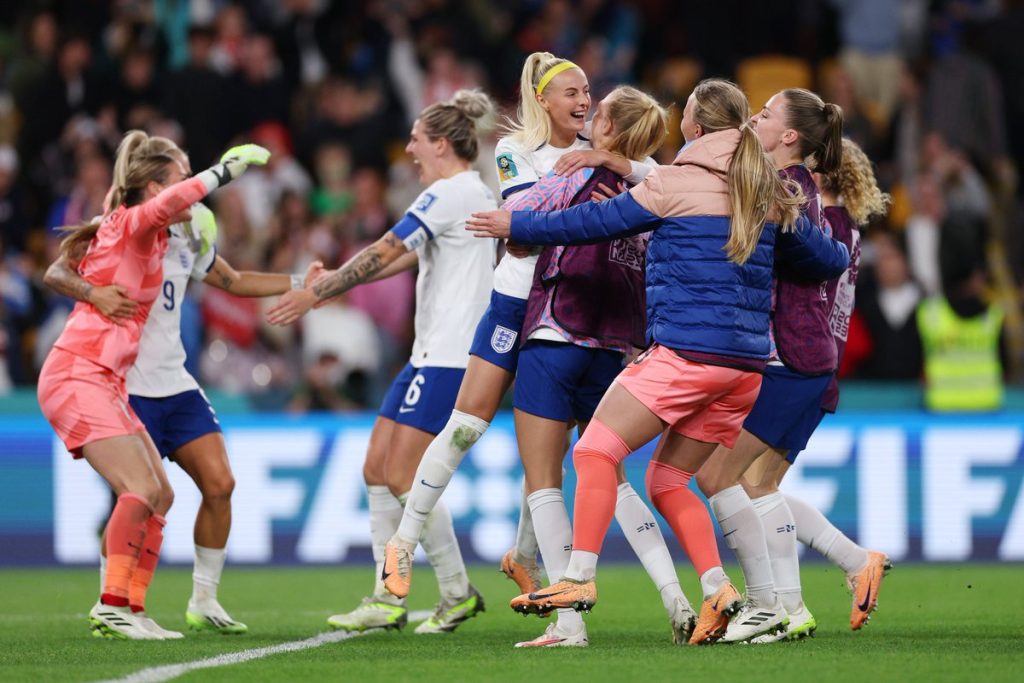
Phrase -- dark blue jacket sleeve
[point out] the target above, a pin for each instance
(809, 254)
(586, 223)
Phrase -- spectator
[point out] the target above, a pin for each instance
(13, 224)
(885, 307)
(193, 92)
(260, 93)
(870, 31)
(261, 190)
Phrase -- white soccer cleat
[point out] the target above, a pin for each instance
(552, 637)
(208, 615)
(448, 615)
(118, 623)
(801, 625)
(156, 629)
(683, 620)
(752, 621)
(374, 612)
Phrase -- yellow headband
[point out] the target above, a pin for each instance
(552, 72)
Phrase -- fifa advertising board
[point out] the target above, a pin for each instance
(916, 486)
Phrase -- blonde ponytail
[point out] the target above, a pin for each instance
(757, 194)
(140, 160)
(532, 125)
(641, 122)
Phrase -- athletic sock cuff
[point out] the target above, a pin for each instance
(766, 504)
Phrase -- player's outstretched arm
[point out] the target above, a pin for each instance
(110, 300)
(359, 269)
(251, 283)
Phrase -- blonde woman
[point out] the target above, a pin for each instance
(166, 397)
(455, 277)
(82, 388)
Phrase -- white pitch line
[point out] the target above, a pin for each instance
(158, 674)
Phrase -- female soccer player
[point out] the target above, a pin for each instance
(455, 276)
(850, 197)
(168, 399)
(82, 388)
(793, 126)
(716, 215)
(547, 136)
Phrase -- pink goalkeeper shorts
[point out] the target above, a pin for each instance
(84, 401)
(704, 402)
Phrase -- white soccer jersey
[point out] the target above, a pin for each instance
(456, 269)
(159, 370)
(518, 169)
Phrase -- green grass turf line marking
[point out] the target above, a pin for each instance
(158, 674)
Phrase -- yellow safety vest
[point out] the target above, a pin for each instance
(961, 358)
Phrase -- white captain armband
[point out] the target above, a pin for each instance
(412, 231)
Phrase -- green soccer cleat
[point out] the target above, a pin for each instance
(372, 613)
(210, 616)
(447, 616)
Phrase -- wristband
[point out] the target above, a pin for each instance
(298, 281)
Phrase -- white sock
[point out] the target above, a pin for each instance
(712, 580)
(103, 573)
(526, 538)
(582, 566)
(554, 536)
(385, 513)
(743, 532)
(206, 571)
(442, 548)
(645, 538)
(813, 529)
(439, 463)
(780, 534)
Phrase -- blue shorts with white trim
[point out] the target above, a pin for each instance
(497, 335)
(423, 397)
(173, 421)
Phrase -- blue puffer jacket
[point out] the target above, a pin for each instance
(697, 299)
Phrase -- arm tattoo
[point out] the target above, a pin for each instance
(64, 280)
(361, 268)
(224, 280)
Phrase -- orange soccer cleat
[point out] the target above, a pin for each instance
(715, 613)
(865, 585)
(397, 572)
(566, 594)
(526, 576)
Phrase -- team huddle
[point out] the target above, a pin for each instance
(733, 269)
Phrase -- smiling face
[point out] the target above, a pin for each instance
(566, 99)
(425, 153)
(770, 124)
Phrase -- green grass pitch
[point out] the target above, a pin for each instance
(936, 623)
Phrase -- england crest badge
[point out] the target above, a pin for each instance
(503, 340)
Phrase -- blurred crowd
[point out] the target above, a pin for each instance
(930, 89)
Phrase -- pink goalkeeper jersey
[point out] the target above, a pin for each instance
(128, 250)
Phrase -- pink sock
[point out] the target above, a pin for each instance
(148, 558)
(668, 489)
(597, 454)
(125, 533)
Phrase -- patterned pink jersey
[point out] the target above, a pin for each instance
(128, 250)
